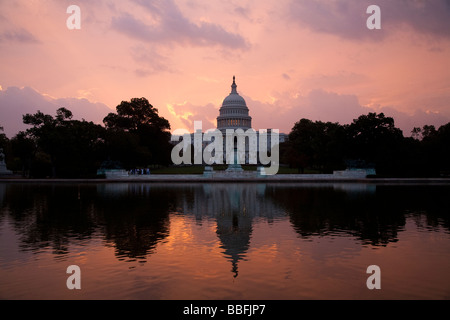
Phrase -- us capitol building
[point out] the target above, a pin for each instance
(234, 114)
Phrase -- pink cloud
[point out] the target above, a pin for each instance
(175, 28)
(18, 35)
(347, 18)
(15, 102)
(320, 105)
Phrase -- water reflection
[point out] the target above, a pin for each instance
(373, 214)
(2, 193)
(135, 217)
(234, 206)
(48, 215)
(56, 215)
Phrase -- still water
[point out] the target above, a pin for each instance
(224, 241)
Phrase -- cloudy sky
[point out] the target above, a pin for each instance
(292, 59)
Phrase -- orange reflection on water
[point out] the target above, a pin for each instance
(261, 253)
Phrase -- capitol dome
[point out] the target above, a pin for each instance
(234, 113)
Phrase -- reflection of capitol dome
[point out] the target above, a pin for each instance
(234, 233)
(234, 112)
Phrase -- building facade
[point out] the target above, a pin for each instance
(234, 114)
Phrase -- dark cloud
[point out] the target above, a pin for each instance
(174, 28)
(339, 78)
(317, 105)
(18, 35)
(347, 18)
(419, 118)
(15, 102)
(320, 105)
(150, 61)
(243, 12)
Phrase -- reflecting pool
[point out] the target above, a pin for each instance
(224, 240)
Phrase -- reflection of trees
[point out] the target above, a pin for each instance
(375, 218)
(134, 219)
(323, 211)
(56, 216)
(49, 215)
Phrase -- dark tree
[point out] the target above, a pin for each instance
(2, 136)
(24, 150)
(5, 146)
(3, 139)
(133, 115)
(138, 123)
(72, 147)
(435, 147)
(374, 138)
(317, 145)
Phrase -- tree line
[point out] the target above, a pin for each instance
(59, 146)
(370, 141)
(136, 136)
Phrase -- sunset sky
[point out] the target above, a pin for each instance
(292, 59)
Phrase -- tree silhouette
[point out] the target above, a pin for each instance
(136, 136)
(72, 146)
(370, 140)
(135, 114)
(3, 139)
(138, 122)
(318, 145)
(375, 139)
